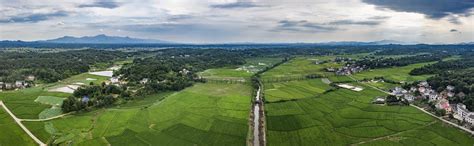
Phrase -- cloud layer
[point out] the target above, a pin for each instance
(219, 21)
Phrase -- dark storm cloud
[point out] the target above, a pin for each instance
(302, 26)
(434, 9)
(32, 18)
(454, 30)
(101, 4)
(352, 22)
(238, 4)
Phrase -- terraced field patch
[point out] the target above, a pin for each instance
(294, 89)
(302, 66)
(205, 114)
(245, 71)
(22, 102)
(345, 117)
(395, 73)
(11, 133)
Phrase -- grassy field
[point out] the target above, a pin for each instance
(11, 133)
(383, 85)
(226, 73)
(301, 66)
(84, 78)
(22, 102)
(294, 89)
(205, 114)
(245, 71)
(345, 117)
(395, 73)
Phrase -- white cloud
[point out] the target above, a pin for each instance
(229, 21)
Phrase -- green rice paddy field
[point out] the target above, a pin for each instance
(22, 102)
(11, 133)
(245, 71)
(204, 114)
(281, 91)
(395, 73)
(301, 66)
(345, 117)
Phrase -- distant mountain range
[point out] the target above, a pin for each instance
(103, 39)
(356, 43)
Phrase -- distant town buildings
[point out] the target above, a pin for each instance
(464, 114)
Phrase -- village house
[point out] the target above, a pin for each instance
(330, 69)
(85, 99)
(444, 104)
(30, 78)
(470, 119)
(413, 89)
(379, 100)
(397, 91)
(450, 88)
(349, 69)
(114, 80)
(423, 84)
(20, 84)
(184, 71)
(433, 96)
(144, 81)
(8, 86)
(464, 114)
(409, 97)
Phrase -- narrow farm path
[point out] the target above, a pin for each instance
(18, 121)
(421, 109)
(446, 121)
(395, 134)
(46, 119)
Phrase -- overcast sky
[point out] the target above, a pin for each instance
(220, 21)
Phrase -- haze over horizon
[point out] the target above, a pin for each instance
(224, 21)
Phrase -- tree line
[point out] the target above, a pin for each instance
(380, 62)
(53, 66)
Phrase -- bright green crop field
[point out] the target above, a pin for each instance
(301, 66)
(345, 117)
(11, 133)
(22, 102)
(294, 89)
(383, 85)
(395, 73)
(84, 78)
(245, 71)
(204, 114)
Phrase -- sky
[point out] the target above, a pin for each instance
(231, 21)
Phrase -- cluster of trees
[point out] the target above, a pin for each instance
(394, 100)
(442, 66)
(175, 69)
(372, 62)
(458, 73)
(94, 96)
(462, 80)
(52, 66)
(285, 59)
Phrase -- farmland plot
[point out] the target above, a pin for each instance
(344, 117)
(205, 114)
(11, 133)
(400, 74)
(294, 89)
(302, 66)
